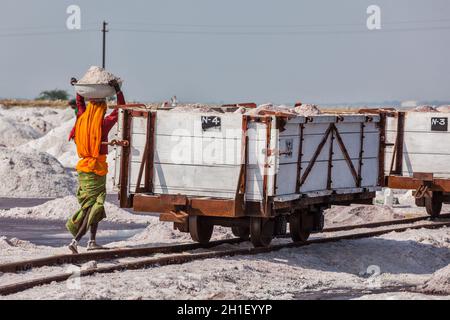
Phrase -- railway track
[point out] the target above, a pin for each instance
(116, 253)
(176, 254)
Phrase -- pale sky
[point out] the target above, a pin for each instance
(317, 51)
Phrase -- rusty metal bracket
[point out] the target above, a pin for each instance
(421, 191)
(180, 217)
(397, 156)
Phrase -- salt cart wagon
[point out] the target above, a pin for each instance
(251, 173)
(418, 156)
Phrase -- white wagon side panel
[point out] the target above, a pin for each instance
(341, 176)
(424, 149)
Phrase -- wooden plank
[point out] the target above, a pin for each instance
(265, 193)
(397, 182)
(299, 159)
(361, 154)
(398, 166)
(195, 206)
(244, 158)
(330, 158)
(214, 207)
(149, 168)
(125, 162)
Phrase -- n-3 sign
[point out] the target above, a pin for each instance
(439, 124)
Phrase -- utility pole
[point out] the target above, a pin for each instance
(104, 31)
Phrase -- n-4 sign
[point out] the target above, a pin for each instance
(211, 122)
(439, 124)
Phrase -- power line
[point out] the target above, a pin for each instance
(48, 33)
(360, 30)
(138, 23)
(41, 27)
(54, 28)
(276, 33)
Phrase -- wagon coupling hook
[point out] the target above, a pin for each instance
(114, 142)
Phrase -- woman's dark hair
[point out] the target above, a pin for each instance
(73, 103)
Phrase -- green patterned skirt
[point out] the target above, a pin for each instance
(91, 194)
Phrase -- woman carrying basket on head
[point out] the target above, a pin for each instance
(90, 134)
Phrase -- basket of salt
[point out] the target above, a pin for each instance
(94, 84)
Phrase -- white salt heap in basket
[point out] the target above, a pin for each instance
(98, 75)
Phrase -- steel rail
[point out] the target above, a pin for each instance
(185, 258)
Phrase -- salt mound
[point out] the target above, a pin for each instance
(439, 283)
(159, 232)
(62, 208)
(307, 110)
(98, 75)
(56, 143)
(6, 243)
(196, 107)
(33, 174)
(358, 214)
(13, 134)
(270, 108)
(425, 109)
(41, 119)
(303, 110)
(444, 109)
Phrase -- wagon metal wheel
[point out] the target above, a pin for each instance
(433, 204)
(200, 229)
(261, 231)
(299, 232)
(242, 232)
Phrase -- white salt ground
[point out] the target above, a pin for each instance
(358, 214)
(62, 208)
(339, 270)
(33, 174)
